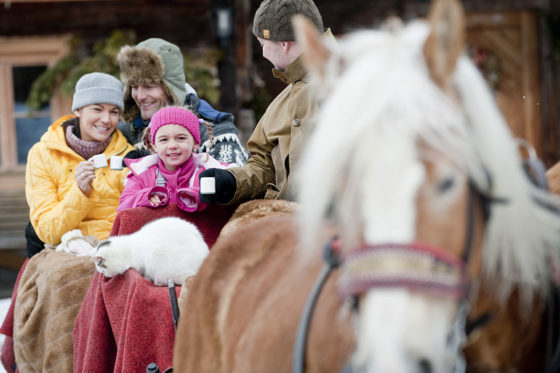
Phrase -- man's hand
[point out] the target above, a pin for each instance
(225, 186)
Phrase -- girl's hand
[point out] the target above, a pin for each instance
(155, 200)
(85, 173)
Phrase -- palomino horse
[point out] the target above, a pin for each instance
(412, 166)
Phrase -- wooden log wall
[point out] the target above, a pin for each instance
(186, 23)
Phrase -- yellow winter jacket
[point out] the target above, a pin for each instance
(56, 203)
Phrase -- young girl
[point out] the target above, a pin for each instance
(171, 175)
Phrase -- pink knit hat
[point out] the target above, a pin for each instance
(175, 115)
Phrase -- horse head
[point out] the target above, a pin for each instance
(414, 165)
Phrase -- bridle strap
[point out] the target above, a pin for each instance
(533, 165)
(469, 239)
(331, 256)
(416, 265)
(332, 260)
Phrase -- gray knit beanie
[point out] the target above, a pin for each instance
(273, 19)
(98, 88)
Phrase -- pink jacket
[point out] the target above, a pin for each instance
(180, 187)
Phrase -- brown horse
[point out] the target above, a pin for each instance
(511, 340)
(412, 166)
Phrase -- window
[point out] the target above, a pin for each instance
(30, 126)
(22, 60)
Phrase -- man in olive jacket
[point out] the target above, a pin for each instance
(276, 142)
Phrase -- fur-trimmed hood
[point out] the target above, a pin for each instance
(151, 61)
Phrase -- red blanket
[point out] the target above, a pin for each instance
(7, 328)
(209, 222)
(125, 322)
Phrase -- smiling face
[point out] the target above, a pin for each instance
(174, 145)
(149, 98)
(97, 121)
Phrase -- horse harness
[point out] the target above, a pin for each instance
(457, 287)
(446, 274)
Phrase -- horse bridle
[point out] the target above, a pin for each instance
(451, 281)
(331, 254)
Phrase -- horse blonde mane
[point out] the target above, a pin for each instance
(378, 85)
(522, 236)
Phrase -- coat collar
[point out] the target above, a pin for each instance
(296, 71)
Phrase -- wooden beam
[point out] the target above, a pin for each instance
(7, 127)
(530, 78)
(50, 1)
(38, 50)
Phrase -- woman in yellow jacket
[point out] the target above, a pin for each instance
(64, 188)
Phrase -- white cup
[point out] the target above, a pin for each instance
(207, 185)
(99, 160)
(116, 162)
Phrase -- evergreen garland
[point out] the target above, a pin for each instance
(62, 77)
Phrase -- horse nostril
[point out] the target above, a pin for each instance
(424, 366)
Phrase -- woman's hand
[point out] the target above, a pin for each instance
(85, 173)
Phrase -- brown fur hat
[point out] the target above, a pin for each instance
(151, 61)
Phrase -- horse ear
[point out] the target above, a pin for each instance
(446, 41)
(315, 55)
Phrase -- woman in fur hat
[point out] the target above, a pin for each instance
(64, 187)
(153, 76)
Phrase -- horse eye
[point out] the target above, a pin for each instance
(445, 185)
